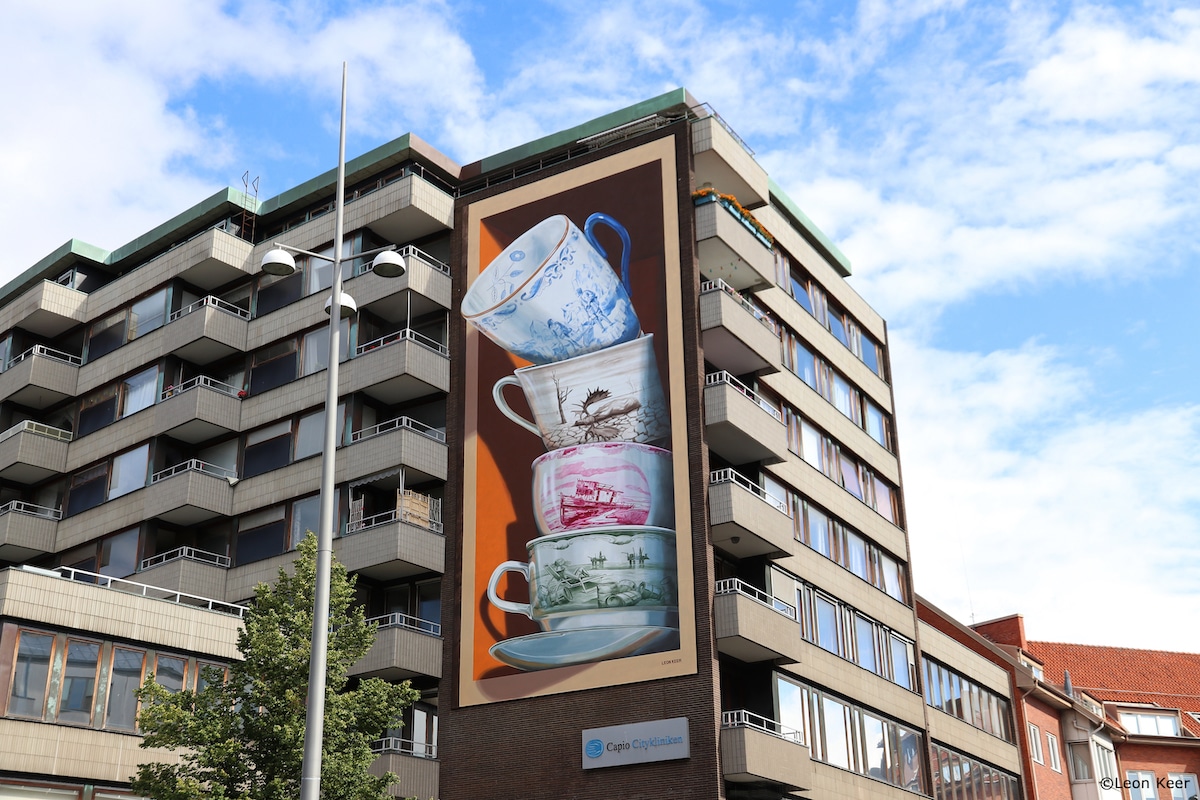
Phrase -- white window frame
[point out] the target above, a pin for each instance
(1035, 744)
(1052, 749)
(1177, 792)
(1141, 784)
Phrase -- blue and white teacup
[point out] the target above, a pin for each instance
(552, 295)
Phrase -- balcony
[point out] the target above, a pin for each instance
(403, 210)
(40, 377)
(423, 288)
(412, 762)
(205, 331)
(723, 160)
(198, 410)
(757, 752)
(187, 570)
(730, 248)
(746, 521)
(31, 452)
(404, 647)
(190, 492)
(421, 449)
(741, 426)
(396, 544)
(399, 366)
(737, 335)
(27, 531)
(214, 258)
(49, 309)
(753, 626)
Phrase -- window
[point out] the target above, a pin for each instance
(1035, 744)
(1149, 724)
(837, 732)
(129, 471)
(97, 410)
(275, 292)
(306, 516)
(902, 661)
(31, 674)
(79, 682)
(1106, 762)
(106, 335)
(139, 391)
(273, 366)
(864, 639)
(148, 314)
(1080, 760)
(1141, 785)
(1052, 751)
(316, 347)
(826, 624)
(267, 449)
(170, 672)
(260, 535)
(119, 554)
(1183, 785)
(87, 489)
(125, 678)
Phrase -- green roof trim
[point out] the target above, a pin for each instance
(63, 256)
(364, 163)
(810, 230)
(225, 199)
(672, 99)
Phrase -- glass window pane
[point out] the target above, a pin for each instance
(870, 355)
(31, 672)
(87, 489)
(850, 478)
(856, 555)
(818, 531)
(890, 570)
(169, 672)
(276, 292)
(789, 705)
(910, 764)
(838, 327)
(800, 292)
(901, 662)
(837, 733)
(306, 515)
(874, 747)
(864, 638)
(803, 363)
(810, 445)
(79, 682)
(129, 471)
(140, 391)
(876, 424)
(107, 335)
(255, 544)
(119, 554)
(148, 314)
(429, 601)
(827, 633)
(843, 396)
(97, 410)
(125, 679)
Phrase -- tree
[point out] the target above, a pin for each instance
(243, 738)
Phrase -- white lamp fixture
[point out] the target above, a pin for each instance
(278, 262)
(388, 264)
(349, 307)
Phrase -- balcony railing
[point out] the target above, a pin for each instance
(423, 513)
(706, 110)
(21, 507)
(748, 719)
(408, 334)
(211, 301)
(196, 465)
(717, 378)
(408, 251)
(398, 620)
(399, 422)
(146, 590)
(49, 431)
(186, 554)
(737, 586)
(728, 475)
(200, 380)
(759, 314)
(46, 352)
(406, 747)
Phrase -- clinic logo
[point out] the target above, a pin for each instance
(594, 748)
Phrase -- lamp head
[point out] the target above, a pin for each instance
(388, 264)
(278, 262)
(349, 307)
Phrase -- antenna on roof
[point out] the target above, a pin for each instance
(249, 217)
(1067, 687)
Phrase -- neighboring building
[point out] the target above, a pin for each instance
(722, 609)
(1128, 716)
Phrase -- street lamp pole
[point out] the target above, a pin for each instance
(279, 261)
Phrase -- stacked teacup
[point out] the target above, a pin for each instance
(602, 570)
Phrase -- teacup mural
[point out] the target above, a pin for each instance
(552, 295)
(598, 594)
(613, 394)
(602, 574)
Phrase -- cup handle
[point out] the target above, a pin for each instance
(620, 229)
(502, 404)
(508, 605)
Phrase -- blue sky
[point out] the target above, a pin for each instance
(1014, 184)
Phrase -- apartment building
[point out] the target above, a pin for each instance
(617, 470)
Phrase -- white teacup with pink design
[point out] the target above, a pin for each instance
(601, 484)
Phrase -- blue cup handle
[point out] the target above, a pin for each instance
(620, 229)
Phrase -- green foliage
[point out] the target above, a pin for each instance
(243, 738)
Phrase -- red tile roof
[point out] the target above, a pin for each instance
(1126, 675)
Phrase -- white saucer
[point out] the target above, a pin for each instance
(583, 645)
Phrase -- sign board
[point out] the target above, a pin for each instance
(639, 743)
